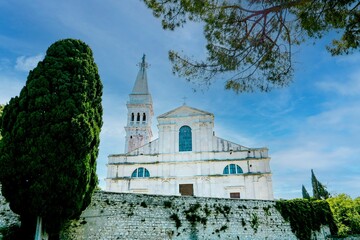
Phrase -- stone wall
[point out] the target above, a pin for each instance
(153, 217)
(7, 217)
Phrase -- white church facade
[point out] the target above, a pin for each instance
(186, 158)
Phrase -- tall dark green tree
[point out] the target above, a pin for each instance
(51, 136)
(1, 110)
(305, 193)
(250, 43)
(319, 190)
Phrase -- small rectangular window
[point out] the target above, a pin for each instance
(186, 190)
(235, 195)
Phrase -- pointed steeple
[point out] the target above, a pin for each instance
(141, 84)
(140, 112)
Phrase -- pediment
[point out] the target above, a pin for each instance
(185, 111)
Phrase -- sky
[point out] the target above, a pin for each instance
(312, 124)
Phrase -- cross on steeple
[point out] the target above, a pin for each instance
(184, 100)
(141, 85)
(143, 64)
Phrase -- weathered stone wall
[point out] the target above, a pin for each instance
(7, 217)
(153, 217)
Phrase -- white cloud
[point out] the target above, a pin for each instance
(326, 141)
(225, 132)
(352, 58)
(13, 86)
(26, 64)
(314, 156)
(347, 86)
(4, 64)
(343, 117)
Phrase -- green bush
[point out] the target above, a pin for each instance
(346, 214)
(306, 216)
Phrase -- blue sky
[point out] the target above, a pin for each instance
(312, 124)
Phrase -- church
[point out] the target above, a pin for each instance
(187, 158)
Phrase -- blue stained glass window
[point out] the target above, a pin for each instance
(232, 169)
(185, 139)
(238, 169)
(134, 174)
(140, 172)
(147, 174)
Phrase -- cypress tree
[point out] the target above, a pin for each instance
(1, 110)
(305, 193)
(315, 187)
(51, 137)
(319, 190)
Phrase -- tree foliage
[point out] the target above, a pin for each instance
(251, 41)
(346, 214)
(51, 137)
(357, 204)
(305, 193)
(1, 110)
(319, 190)
(306, 216)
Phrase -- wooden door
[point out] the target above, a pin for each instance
(235, 195)
(186, 189)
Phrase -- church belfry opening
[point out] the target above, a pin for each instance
(138, 117)
(185, 139)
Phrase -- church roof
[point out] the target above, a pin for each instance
(184, 111)
(141, 84)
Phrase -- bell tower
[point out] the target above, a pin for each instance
(140, 112)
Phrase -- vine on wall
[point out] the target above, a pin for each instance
(306, 216)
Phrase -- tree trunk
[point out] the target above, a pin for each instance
(27, 229)
(38, 232)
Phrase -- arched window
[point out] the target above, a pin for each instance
(132, 117)
(138, 117)
(232, 169)
(140, 172)
(185, 139)
(144, 117)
